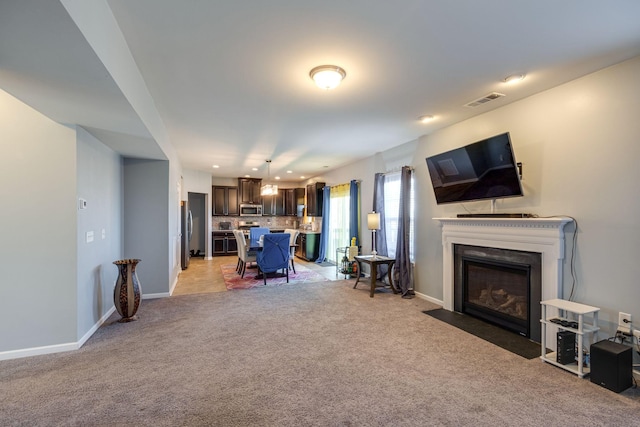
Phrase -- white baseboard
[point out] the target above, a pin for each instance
(175, 283)
(428, 298)
(158, 295)
(95, 327)
(37, 351)
(56, 348)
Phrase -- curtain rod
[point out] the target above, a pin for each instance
(396, 170)
(344, 183)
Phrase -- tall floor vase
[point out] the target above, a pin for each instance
(127, 292)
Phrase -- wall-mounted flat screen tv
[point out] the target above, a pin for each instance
(483, 170)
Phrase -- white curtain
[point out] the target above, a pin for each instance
(339, 220)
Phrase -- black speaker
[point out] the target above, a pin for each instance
(566, 353)
(611, 365)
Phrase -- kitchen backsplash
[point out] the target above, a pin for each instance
(309, 223)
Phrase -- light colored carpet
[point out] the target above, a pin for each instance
(234, 281)
(322, 354)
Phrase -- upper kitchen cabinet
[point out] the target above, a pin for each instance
(292, 198)
(225, 200)
(249, 190)
(314, 199)
(284, 204)
(274, 205)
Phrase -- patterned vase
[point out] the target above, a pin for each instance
(127, 292)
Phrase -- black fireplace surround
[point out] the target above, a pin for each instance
(500, 286)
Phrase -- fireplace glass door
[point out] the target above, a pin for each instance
(497, 293)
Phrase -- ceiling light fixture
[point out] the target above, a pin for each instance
(216, 166)
(426, 119)
(327, 76)
(268, 189)
(514, 78)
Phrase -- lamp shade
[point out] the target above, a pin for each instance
(373, 221)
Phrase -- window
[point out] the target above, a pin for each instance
(392, 212)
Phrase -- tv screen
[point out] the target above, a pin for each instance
(483, 170)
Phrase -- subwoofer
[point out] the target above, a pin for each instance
(611, 365)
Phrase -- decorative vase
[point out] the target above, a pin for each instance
(127, 292)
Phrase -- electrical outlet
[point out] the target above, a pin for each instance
(624, 322)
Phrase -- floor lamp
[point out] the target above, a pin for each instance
(373, 224)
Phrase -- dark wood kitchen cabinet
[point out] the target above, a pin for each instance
(274, 205)
(224, 243)
(249, 190)
(314, 199)
(225, 201)
(292, 198)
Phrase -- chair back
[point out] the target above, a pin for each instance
(242, 244)
(294, 236)
(255, 233)
(275, 252)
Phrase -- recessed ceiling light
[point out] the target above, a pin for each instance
(302, 177)
(254, 169)
(277, 177)
(327, 76)
(514, 78)
(426, 119)
(216, 166)
(247, 176)
(289, 171)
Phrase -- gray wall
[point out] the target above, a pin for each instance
(579, 144)
(38, 229)
(99, 182)
(146, 222)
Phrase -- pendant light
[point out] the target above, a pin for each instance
(269, 189)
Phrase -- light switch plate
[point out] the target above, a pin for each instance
(89, 236)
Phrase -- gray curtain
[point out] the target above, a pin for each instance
(381, 236)
(403, 273)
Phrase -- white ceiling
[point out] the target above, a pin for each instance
(230, 78)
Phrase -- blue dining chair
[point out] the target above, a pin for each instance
(274, 255)
(254, 235)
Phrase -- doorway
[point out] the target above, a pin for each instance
(198, 206)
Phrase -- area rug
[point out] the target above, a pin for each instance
(495, 335)
(233, 280)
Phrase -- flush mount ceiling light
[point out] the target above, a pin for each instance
(426, 119)
(327, 76)
(268, 189)
(514, 78)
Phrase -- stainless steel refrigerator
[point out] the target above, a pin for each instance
(186, 231)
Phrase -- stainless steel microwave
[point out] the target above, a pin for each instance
(250, 210)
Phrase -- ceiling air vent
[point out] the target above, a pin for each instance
(484, 99)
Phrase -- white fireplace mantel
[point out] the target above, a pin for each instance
(541, 235)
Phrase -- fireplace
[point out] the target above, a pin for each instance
(500, 286)
(542, 236)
